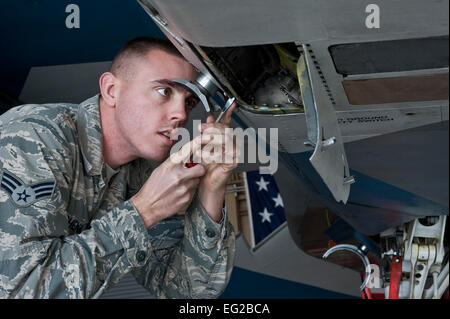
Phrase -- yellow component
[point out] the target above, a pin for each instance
(287, 60)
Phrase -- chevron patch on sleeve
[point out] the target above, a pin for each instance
(25, 195)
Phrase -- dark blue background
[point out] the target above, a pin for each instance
(34, 33)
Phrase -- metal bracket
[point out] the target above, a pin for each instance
(360, 252)
(329, 158)
(423, 254)
(204, 88)
(196, 90)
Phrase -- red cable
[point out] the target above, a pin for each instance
(396, 276)
(366, 293)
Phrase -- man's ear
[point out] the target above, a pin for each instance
(108, 87)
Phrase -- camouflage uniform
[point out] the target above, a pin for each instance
(67, 230)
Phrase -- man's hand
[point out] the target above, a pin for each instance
(220, 158)
(170, 187)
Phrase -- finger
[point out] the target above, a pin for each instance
(184, 154)
(229, 168)
(210, 119)
(208, 157)
(224, 139)
(208, 126)
(232, 155)
(216, 128)
(215, 137)
(193, 172)
(213, 131)
(239, 150)
(226, 119)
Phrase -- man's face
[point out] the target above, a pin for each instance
(149, 106)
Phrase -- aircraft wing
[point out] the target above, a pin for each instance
(359, 93)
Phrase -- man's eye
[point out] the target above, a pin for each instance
(191, 103)
(164, 91)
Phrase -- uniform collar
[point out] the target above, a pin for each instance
(90, 135)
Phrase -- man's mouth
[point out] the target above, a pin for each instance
(168, 137)
(167, 134)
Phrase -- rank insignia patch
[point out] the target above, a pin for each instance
(22, 194)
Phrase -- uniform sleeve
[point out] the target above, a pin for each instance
(39, 258)
(191, 258)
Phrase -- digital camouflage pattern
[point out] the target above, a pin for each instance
(67, 229)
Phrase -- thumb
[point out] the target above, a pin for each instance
(184, 154)
(210, 119)
(227, 117)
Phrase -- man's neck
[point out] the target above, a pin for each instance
(115, 147)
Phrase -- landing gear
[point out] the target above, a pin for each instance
(414, 262)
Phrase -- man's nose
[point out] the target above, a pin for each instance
(178, 110)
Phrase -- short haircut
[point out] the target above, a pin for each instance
(139, 48)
